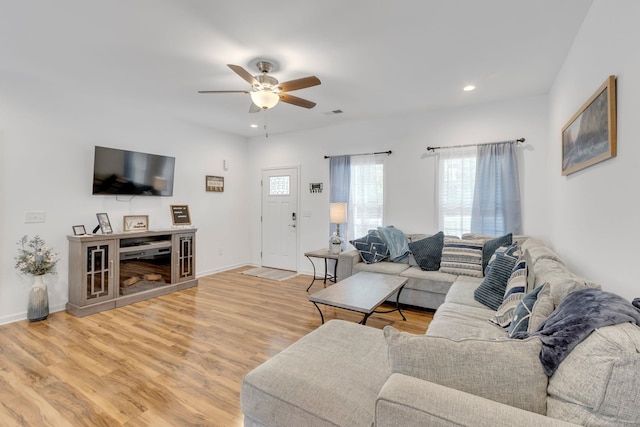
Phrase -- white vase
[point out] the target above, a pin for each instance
(38, 308)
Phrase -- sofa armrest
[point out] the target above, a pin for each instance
(346, 261)
(408, 401)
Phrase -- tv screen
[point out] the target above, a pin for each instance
(123, 172)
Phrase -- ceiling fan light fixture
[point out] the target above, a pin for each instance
(265, 99)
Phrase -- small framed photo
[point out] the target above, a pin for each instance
(135, 223)
(104, 224)
(180, 215)
(78, 230)
(215, 183)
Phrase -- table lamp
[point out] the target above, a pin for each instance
(337, 215)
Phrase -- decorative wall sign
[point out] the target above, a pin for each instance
(135, 223)
(215, 183)
(180, 215)
(591, 136)
(315, 187)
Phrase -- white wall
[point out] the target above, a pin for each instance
(594, 212)
(409, 171)
(46, 164)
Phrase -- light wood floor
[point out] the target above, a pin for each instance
(175, 360)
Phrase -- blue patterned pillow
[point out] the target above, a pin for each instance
(490, 247)
(532, 310)
(513, 294)
(372, 247)
(428, 252)
(491, 290)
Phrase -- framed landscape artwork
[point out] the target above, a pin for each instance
(590, 136)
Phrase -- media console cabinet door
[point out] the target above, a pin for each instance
(185, 257)
(92, 272)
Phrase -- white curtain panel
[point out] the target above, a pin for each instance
(366, 199)
(456, 169)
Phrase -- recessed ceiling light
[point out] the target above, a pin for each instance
(253, 125)
(469, 88)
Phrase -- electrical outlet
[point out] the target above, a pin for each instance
(220, 251)
(35, 217)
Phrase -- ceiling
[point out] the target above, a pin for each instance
(375, 58)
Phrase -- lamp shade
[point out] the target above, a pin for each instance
(265, 99)
(337, 213)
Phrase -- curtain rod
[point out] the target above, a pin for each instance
(364, 154)
(519, 141)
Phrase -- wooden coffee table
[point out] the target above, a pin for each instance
(362, 292)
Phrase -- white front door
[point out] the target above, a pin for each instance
(280, 218)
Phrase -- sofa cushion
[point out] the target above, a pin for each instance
(491, 290)
(490, 247)
(384, 267)
(331, 376)
(531, 311)
(455, 363)
(428, 252)
(461, 292)
(462, 257)
(560, 279)
(459, 321)
(433, 281)
(609, 394)
(372, 248)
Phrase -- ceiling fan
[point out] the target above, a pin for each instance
(266, 91)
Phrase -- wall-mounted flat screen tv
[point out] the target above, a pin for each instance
(123, 172)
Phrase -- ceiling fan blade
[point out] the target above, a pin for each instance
(254, 108)
(223, 91)
(244, 74)
(290, 99)
(299, 84)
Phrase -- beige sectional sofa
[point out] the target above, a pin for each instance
(426, 289)
(465, 371)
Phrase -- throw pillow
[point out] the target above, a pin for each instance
(491, 290)
(428, 252)
(534, 307)
(371, 247)
(462, 257)
(516, 289)
(490, 247)
(396, 242)
(531, 277)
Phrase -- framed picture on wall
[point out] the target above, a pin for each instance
(591, 135)
(214, 183)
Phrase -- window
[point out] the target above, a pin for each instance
(358, 181)
(478, 190)
(279, 185)
(456, 182)
(366, 195)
